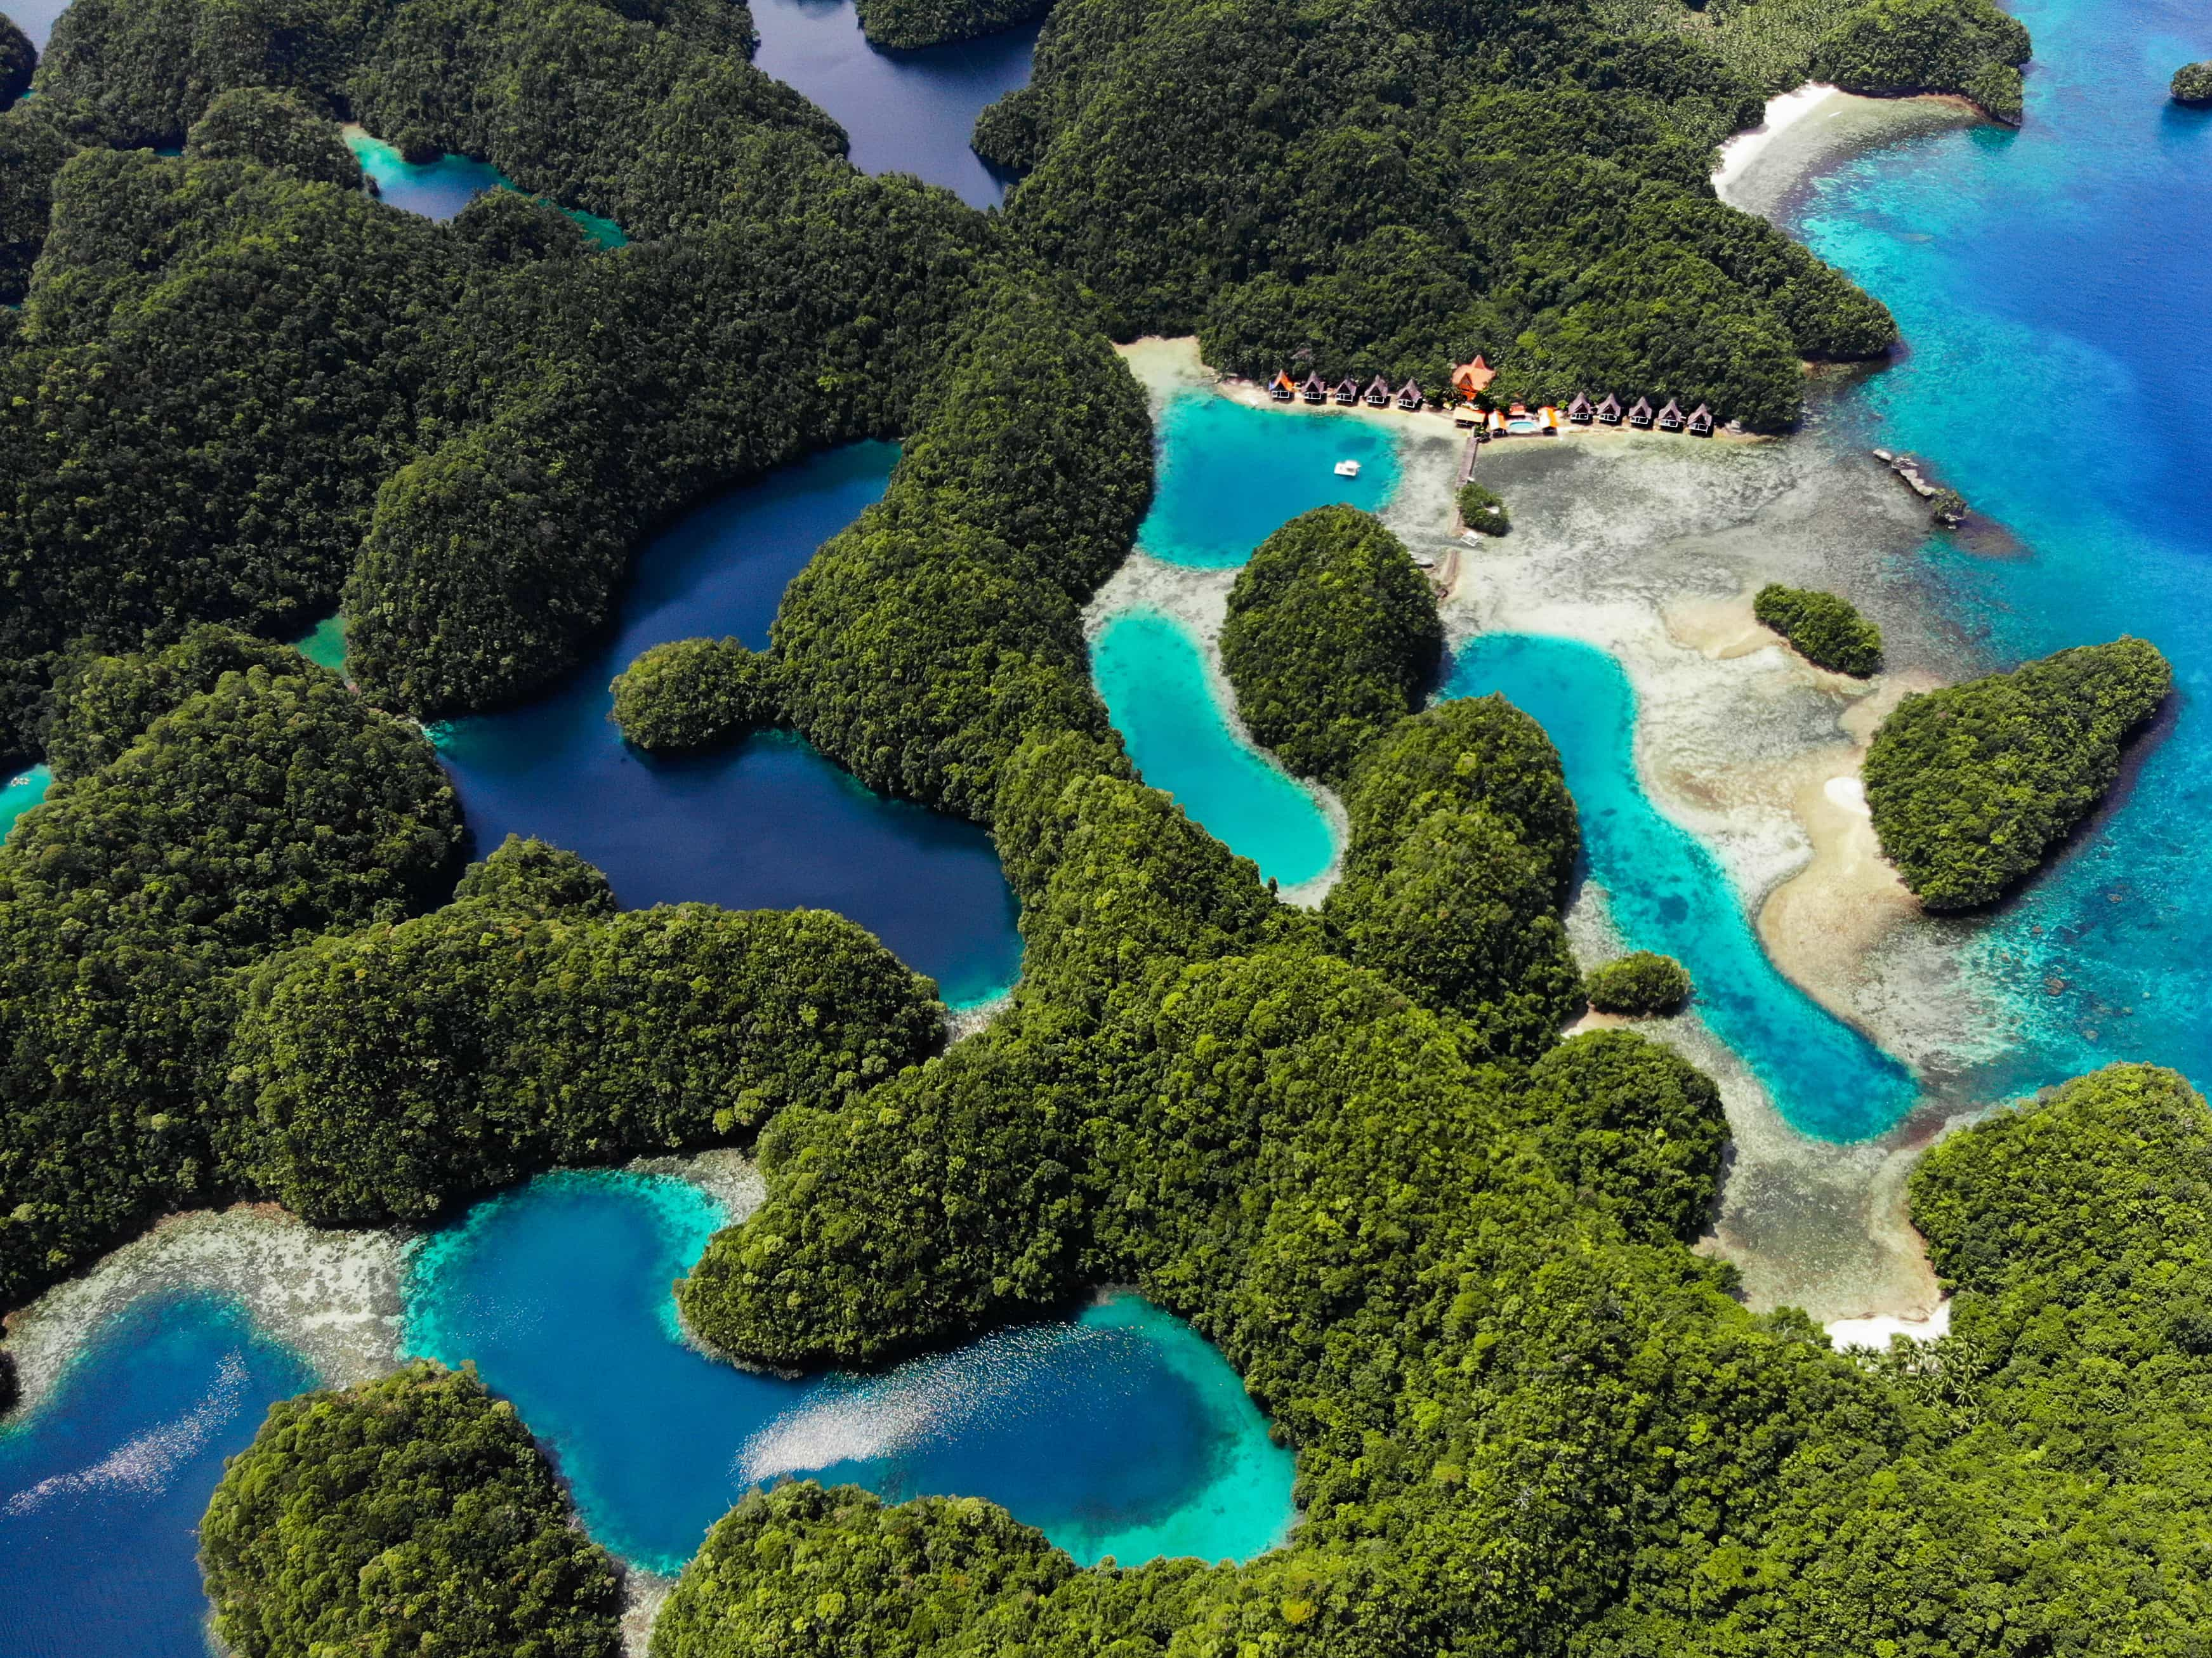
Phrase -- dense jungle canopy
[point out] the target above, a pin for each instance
(1446, 1248)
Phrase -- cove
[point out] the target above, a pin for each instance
(103, 1485)
(1152, 675)
(2069, 262)
(904, 111)
(1230, 475)
(1666, 891)
(770, 824)
(440, 189)
(1117, 1432)
(22, 791)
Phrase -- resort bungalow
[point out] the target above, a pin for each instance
(1498, 426)
(1639, 415)
(1549, 418)
(1377, 395)
(1471, 379)
(1284, 388)
(1409, 396)
(1608, 412)
(1467, 413)
(1580, 410)
(1347, 391)
(1671, 418)
(1316, 390)
(1701, 422)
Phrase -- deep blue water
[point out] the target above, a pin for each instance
(905, 112)
(2054, 288)
(770, 824)
(1666, 891)
(101, 1489)
(1152, 676)
(1119, 1432)
(1231, 475)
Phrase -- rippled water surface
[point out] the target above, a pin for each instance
(1119, 1432)
(101, 1486)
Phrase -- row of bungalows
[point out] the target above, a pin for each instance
(1346, 392)
(1699, 422)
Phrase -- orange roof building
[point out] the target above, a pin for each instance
(1471, 379)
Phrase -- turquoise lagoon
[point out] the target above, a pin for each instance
(1118, 1432)
(1666, 891)
(1152, 673)
(440, 189)
(1231, 475)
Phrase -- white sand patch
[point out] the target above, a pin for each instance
(1875, 1332)
(332, 1296)
(1739, 153)
(1847, 794)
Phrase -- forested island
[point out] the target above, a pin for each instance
(1825, 630)
(1971, 786)
(1447, 1249)
(2192, 85)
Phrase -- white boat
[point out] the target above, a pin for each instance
(1347, 469)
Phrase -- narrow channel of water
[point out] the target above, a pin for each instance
(1666, 892)
(1119, 1432)
(440, 189)
(770, 824)
(1151, 674)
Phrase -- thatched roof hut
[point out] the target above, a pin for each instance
(1316, 390)
(1409, 396)
(1640, 413)
(1701, 422)
(1579, 410)
(1608, 412)
(1347, 391)
(1283, 388)
(1377, 395)
(1671, 418)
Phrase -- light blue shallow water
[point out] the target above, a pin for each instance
(439, 189)
(1119, 1432)
(1666, 893)
(2055, 289)
(1231, 475)
(771, 823)
(1153, 676)
(102, 1487)
(22, 791)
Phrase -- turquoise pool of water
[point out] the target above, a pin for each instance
(1231, 475)
(1117, 1432)
(102, 1486)
(770, 823)
(22, 791)
(2055, 289)
(1153, 676)
(1666, 893)
(439, 189)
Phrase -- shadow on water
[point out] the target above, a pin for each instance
(1119, 1432)
(770, 824)
(1666, 892)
